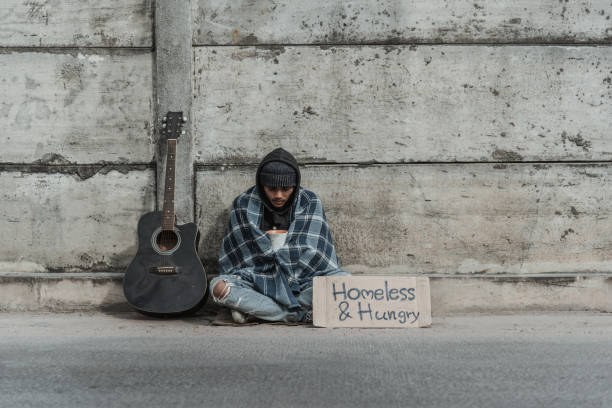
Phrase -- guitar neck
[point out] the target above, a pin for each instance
(168, 210)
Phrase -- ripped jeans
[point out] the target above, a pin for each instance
(244, 298)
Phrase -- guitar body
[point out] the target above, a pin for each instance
(166, 277)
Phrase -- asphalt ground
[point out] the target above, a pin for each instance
(125, 359)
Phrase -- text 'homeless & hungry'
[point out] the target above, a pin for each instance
(364, 310)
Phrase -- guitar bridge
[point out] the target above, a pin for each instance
(165, 270)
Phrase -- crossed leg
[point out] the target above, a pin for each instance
(238, 294)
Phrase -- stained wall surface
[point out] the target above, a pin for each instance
(442, 136)
(77, 160)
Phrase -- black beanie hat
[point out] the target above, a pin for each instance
(278, 174)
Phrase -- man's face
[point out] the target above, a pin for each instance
(278, 196)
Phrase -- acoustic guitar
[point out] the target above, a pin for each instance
(166, 277)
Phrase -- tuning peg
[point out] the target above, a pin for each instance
(164, 119)
(182, 132)
(184, 119)
(164, 125)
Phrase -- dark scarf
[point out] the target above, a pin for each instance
(274, 218)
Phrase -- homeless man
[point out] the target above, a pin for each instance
(277, 241)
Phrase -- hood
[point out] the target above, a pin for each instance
(280, 155)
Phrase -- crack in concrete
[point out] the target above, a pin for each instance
(82, 171)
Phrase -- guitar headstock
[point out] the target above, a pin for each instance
(172, 125)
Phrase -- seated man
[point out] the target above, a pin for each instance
(276, 242)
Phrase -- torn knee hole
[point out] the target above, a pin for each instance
(221, 290)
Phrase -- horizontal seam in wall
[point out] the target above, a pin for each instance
(10, 166)
(59, 273)
(535, 276)
(41, 168)
(83, 171)
(605, 43)
(118, 273)
(92, 49)
(86, 50)
(203, 166)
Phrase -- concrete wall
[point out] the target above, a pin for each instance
(77, 163)
(443, 136)
(446, 218)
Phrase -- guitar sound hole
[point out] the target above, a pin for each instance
(167, 240)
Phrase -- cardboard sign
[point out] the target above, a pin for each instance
(371, 301)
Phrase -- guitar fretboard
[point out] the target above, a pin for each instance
(168, 214)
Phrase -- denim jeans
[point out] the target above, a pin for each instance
(243, 297)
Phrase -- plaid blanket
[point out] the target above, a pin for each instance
(308, 251)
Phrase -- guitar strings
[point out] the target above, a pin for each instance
(168, 237)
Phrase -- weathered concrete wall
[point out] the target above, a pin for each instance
(450, 294)
(426, 103)
(69, 106)
(445, 218)
(61, 291)
(64, 222)
(76, 23)
(468, 294)
(444, 136)
(77, 162)
(396, 21)
(173, 83)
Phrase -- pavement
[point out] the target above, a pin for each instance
(118, 359)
